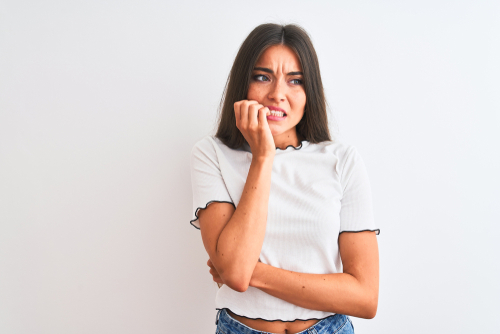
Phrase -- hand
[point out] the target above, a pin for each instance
(214, 273)
(251, 120)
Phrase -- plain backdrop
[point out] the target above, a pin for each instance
(102, 101)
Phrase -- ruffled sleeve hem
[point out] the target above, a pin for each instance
(376, 230)
(195, 222)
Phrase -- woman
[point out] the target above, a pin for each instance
(285, 213)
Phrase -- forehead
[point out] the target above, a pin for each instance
(279, 56)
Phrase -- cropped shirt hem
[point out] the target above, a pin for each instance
(226, 308)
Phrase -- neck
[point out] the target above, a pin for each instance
(283, 140)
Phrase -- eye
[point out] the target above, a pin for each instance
(297, 81)
(260, 77)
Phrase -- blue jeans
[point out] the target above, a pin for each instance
(335, 324)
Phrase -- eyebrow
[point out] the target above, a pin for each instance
(264, 69)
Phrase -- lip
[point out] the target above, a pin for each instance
(276, 109)
(275, 118)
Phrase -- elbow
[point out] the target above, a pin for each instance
(365, 306)
(236, 277)
(370, 313)
(237, 286)
(236, 283)
(236, 280)
(370, 309)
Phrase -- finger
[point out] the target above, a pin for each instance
(237, 107)
(263, 112)
(244, 112)
(253, 115)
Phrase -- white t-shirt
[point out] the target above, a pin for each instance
(317, 192)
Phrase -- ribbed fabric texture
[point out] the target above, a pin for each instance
(317, 192)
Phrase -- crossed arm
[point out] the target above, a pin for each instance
(353, 292)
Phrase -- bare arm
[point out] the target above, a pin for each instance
(353, 292)
(232, 237)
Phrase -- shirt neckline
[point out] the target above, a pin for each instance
(302, 144)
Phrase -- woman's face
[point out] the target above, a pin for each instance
(277, 81)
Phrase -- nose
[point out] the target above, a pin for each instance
(278, 91)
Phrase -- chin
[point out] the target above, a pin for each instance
(275, 131)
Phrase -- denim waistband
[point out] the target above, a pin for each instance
(332, 324)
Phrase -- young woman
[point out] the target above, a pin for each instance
(285, 213)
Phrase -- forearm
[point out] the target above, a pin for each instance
(240, 242)
(337, 293)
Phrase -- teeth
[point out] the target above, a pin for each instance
(277, 113)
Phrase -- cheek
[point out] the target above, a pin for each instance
(254, 93)
(298, 100)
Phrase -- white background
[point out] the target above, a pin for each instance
(102, 101)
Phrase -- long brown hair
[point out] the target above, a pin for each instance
(313, 126)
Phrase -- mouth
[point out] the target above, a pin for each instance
(275, 111)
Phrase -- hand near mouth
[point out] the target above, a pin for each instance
(251, 120)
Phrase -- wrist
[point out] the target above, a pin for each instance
(256, 280)
(263, 159)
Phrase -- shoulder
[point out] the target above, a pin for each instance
(339, 148)
(204, 144)
(211, 143)
(203, 152)
(344, 154)
(213, 149)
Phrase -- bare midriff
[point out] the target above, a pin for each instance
(278, 327)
